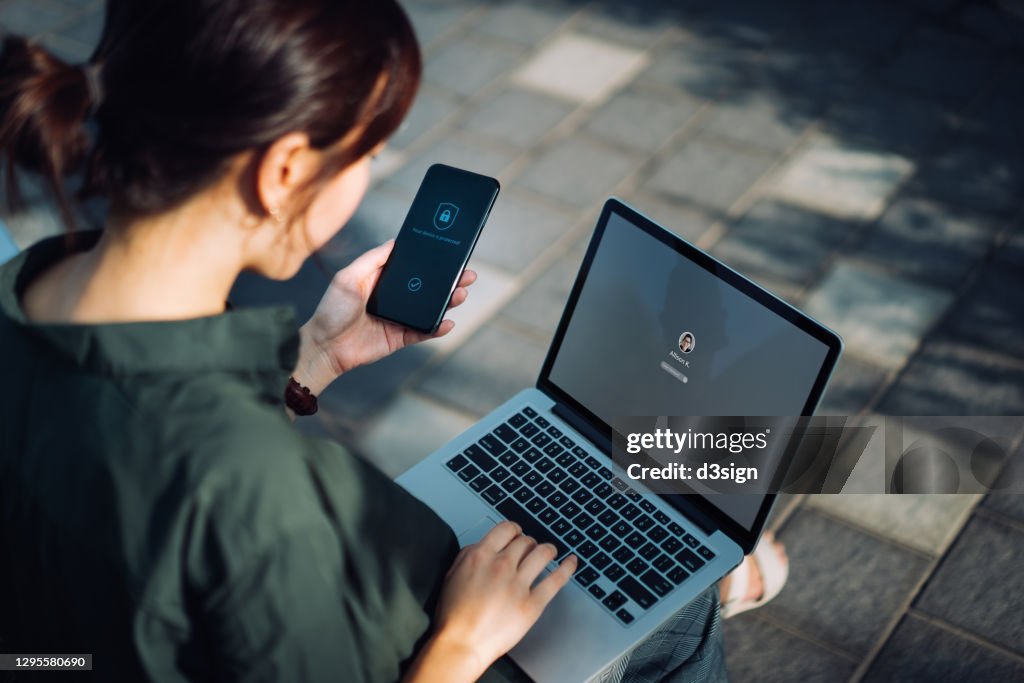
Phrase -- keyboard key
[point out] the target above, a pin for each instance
(635, 540)
(508, 458)
(604, 473)
(574, 537)
(621, 529)
(536, 505)
(663, 563)
(691, 540)
(586, 549)
(623, 555)
(672, 545)
(531, 455)
(677, 575)
(567, 442)
(592, 463)
(579, 452)
(636, 592)
(676, 530)
(614, 571)
(499, 474)
(636, 566)
(532, 478)
(557, 499)
(511, 484)
(561, 527)
(590, 480)
(661, 517)
(608, 518)
(556, 475)
(565, 459)
(610, 542)
(555, 431)
(624, 616)
(506, 433)
(594, 507)
(518, 420)
(705, 552)
(494, 495)
(616, 501)
(596, 532)
(540, 440)
(542, 422)
(519, 445)
(614, 601)
(657, 534)
(480, 483)
(633, 495)
(649, 551)
(469, 473)
(480, 459)
(529, 429)
(520, 468)
(657, 583)
(619, 484)
(492, 445)
(569, 485)
(630, 511)
(529, 412)
(600, 560)
(570, 510)
(597, 591)
(586, 576)
(689, 559)
(546, 488)
(547, 515)
(582, 521)
(457, 463)
(603, 491)
(578, 469)
(524, 495)
(582, 496)
(553, 450)
(544, 464)
(514, 512)
(643, 522)
(647, 506)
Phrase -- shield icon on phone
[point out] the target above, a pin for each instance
(445, 216)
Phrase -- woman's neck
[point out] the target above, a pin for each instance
(174, 266)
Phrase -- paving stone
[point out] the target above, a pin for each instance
(927, 241)
(841, 180)
(808, 78)
(638, 23)
(577, 170)
(973, 585)
(939, 65)
(949, 377)
(853, 384)
(881, 118)
(580, 68)
(760, 119)
(523, 22)
(366, 391)
(1006, 498)
(844, 587)
(782, 242)
(408, 431)
(492, 290)
(709, 174)
(86, 27)
(488, 370)
(926, 522)
(989, 316)
(431, 20)
(641, 118)
(518, 117)
(963, 172)
(687, 221)
(541, 303)
(923, 651)
(756, 650)
(519, 230)
(466, 66)
(457, 150)
(31, 17)
(431, 107)
(704, 68)
(879, 316)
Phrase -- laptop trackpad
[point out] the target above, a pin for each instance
(474, 533)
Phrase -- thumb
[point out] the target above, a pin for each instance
(373, 259)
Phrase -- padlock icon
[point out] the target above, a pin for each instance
(445, 216)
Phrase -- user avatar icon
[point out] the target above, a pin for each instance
(687, 342)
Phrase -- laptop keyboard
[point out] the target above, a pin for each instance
(631, 555)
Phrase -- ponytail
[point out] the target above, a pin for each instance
(44, 105)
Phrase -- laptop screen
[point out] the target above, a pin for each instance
(655, 333)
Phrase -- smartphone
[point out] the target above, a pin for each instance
(433, 247)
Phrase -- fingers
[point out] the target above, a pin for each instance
(533, 564)
(458, 297)
(500, 536)
(519, 548)
(373, 259)
(468, 278)
(547, 589)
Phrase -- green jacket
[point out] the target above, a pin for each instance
(159, 510)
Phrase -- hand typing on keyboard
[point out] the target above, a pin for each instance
(488, 603)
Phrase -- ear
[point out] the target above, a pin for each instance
(286, 165)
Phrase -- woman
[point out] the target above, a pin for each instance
(163, 513)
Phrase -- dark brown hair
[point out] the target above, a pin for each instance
(176, 88)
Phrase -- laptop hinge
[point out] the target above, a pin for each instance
(604, 442)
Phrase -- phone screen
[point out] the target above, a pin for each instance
(433, 247)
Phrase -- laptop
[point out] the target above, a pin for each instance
(653, 326)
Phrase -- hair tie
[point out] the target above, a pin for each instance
(94, 83)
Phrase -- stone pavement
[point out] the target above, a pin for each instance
(864, 160)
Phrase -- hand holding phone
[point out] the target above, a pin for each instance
(433, 247)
